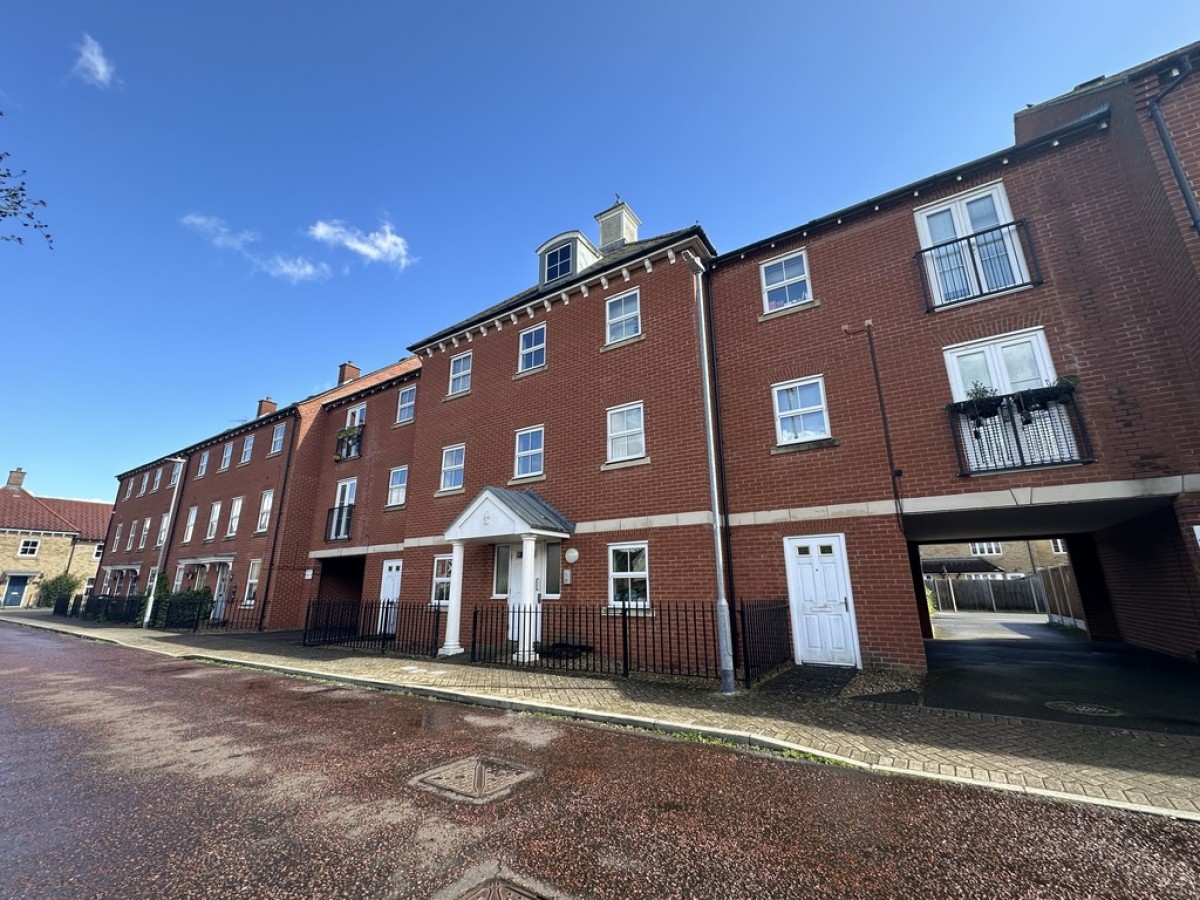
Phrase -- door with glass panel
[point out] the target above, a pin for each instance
(973, 247)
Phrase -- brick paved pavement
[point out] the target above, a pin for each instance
(1147, 771)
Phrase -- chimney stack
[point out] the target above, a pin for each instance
(266, 406)
(348, 371)
(16, 477)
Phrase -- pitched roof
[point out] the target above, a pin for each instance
(534, 510)
(938, 565)
(90, 517)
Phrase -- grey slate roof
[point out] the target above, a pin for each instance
(534, 510)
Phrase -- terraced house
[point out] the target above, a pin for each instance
(1008, 350)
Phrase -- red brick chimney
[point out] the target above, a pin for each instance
(266, 406)
(348, 371)
(16, 477)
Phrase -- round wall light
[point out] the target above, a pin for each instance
(571, 556)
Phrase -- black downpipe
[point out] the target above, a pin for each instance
(893, 473)
(278, 510)
(1164, 137)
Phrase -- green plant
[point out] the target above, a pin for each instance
(929, 601)
(980, 391)
(61, 585)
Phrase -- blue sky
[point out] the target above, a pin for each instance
(243, 195)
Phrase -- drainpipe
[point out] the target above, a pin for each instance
(167, 542)
(1164, 136)
(277, 525)
(893, 473)
(724, 633)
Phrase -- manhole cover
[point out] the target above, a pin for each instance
(499, 889)
(476, 779)
(1082, 709)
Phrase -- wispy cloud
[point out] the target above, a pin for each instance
(383, 246)
(217, 232)
(93, 66)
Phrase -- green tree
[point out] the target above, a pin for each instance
(62, 585)
(17, 208)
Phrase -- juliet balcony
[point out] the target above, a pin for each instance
(349, 443)
(338, 521)
(1025, 430)
(996, 259)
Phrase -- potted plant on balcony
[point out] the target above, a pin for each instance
(982, 403)
(1032, 400)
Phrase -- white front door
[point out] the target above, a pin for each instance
(524, 613)
(218, 610)
(823, 628)
(389, 595)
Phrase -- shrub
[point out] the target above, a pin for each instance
(62, 585)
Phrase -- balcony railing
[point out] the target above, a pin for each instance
(995, 259)
(337, 524)
(349, 443)
(1025, 430)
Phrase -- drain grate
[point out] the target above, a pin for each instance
(499, 889)
(476, 779)
(1082, 709)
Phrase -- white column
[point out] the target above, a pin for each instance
(529, 612)
(454, 612)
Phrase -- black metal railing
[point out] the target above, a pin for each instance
(1024, 430)
(385, 626)
(983, 263)
(337, 523)
(101, 607)
(677, 639)
(766, 641)
(192, 613)
(349, 443)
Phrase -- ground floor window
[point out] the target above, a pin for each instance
(441, 580)
(252, 582)
(628, 575)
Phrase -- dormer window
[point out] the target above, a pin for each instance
(558, 262)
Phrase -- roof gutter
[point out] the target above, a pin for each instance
(1164, 136)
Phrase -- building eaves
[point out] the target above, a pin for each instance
(610, 263)
(1085, 125)
(957, 565)
(410, 372)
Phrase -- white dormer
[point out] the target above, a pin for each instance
(564, 255)
(618, 226)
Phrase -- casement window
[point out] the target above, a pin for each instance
(277, 438)
(264, 511)
(785, 282)
(406, 404)
(117, 537)
(252, 576)
(558, 262)
(356, 415)
(157, 479)
(98, 552)
(533, 348)
(453, 464)
(189, 525)
(624, 315)
(987, 548)
(162, 531)
(247, 449)
(628, 575)
(176, 470)
(226, 457)
(202, 466)
(626, 437)
(145, 481)
(235, 516)
(970, 246)
(214, 515)
(133, 528)
(145, 534)
(128, 488)
(529, 458)
(29, 547)
(397, 486)
(1058, 546)
(460, 373)
(175, 586)
(440, 594)
(800, 413)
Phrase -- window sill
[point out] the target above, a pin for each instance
(450, 492)
(246, 463)
(527, 479)
(788, 310)
(634, 612)
(259, 531)
(408, 421)
(801, 446)
(273, 453)
(455, 396)
(624, 342)
(527, 372)
(229, 537)
(625, 464)
(222, 469)
(970, 301)
(387, 507)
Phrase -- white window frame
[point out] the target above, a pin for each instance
(235, 516)
(189, 527)
(1058, 546)
(527, 356)
(202, 465)
(214, 516)
(500, 564)
(442, 574)
(176, 471)
(610, 321)
(992, 348)
(277, 438)
(406, 404)
(226, 456)
(253, 574)
(129, 488)
(614, 575)
(157, 480)
(782, 387)
(145, 482)
(460, 381)
(356, 415)
(264, 511)
(29, 547)
(539, 453)
(625, 434)
(397, 486)
(986, 548)
(116, 544)
(175, 586)
(786, 283)
(132, 536)
(563, 264)
(145, 534)
(162, 530)
(957, 207)
(247, 450)
(450, 466)
(98, 552)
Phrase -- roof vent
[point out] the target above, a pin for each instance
(618, 226)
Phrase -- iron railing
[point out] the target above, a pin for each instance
(386, 626)
(101, 607)
(983, 263)
(337, 523)
(766, 637)
(192, 613)
(349, 443)
(1024, 430)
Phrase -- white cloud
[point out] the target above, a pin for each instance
(383, 246)
(93, 66)
(218, 232)
(292, 269)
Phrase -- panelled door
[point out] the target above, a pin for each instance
(389, 595)
(15, 589)
(823, 628)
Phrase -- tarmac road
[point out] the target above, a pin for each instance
(123, 774)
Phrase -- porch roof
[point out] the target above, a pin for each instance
(503, 513)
